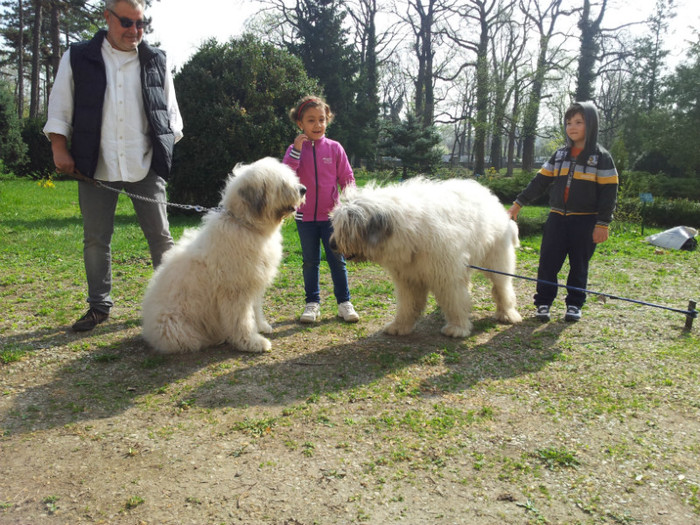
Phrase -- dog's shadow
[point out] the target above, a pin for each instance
(109, 381)
(512, 351)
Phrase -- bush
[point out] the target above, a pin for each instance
(13, 150)
(40, 162)
(659, 185)
(664, 213)
(508, 188)
(234, 100)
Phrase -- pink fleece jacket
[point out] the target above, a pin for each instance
(322, 166)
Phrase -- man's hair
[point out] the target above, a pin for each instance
(110, 4)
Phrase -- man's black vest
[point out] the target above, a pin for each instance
(90, 84)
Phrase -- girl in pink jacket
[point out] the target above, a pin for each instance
(323, 167)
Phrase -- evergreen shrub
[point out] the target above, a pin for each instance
(40, 157)
(13, 150)
(234, 99)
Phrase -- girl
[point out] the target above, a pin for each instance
(322, 166)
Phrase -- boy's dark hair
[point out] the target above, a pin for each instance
(574, 109)
(310, 101)
(589, 113)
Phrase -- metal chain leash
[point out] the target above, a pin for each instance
(100, 184)
(194, 207)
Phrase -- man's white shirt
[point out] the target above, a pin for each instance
(125, 146)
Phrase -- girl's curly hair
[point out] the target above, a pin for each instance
(310, 101)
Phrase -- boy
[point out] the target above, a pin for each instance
(582, 182)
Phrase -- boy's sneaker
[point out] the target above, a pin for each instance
(543, 313)
(347, 312)
(312, 313)
(573, 314)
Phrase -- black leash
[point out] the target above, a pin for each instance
(690, 314)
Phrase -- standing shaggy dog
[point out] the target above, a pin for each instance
(426, 234)
(210, 286)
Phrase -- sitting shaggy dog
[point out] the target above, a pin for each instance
(209, 288)
(425, 234)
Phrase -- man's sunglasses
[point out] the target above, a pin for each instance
(126, 23)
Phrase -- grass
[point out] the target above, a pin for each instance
(533, 424)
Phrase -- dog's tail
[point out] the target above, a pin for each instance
(514, 233)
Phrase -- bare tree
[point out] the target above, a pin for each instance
(425, 19)
(373, 48)
(543, 16)
(487, 16)
(589, 25)
(507, 50)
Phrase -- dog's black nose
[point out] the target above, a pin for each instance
(302, 190)
(333, 245)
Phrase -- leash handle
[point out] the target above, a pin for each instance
(77, 175)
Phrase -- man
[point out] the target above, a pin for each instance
(114, 100)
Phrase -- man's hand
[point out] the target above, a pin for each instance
(61, 156)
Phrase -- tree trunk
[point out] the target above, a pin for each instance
(36, 61)
(532, 110)
(511, 131)
(482, 99)
(55, 40)
(20, 63)
(590, 34)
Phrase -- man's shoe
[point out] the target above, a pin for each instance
(312, 313)
(90, 320)
(543, 313)
(573, 314)
(347, 312)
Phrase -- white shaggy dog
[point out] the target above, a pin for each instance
(209, 288)
(426, 233)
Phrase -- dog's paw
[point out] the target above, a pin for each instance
(395, 328)
(264, 327)
(510, 316)
(452, 330)
(255, 345)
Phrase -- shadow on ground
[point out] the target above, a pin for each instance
(108, 381)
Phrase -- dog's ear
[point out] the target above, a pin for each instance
(379, 228)
(255, 196)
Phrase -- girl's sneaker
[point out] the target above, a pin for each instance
(312, 313)
(347, 312)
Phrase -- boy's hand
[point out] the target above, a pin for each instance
(600, 234)
(299, 141)
(513, 211)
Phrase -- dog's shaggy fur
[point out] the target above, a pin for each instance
(209, 288)
(425, 234)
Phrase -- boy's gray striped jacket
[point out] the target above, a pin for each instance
(593, 185)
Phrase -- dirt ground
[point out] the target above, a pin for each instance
(594, 422)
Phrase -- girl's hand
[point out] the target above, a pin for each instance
(299, 141)
(600, 234)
